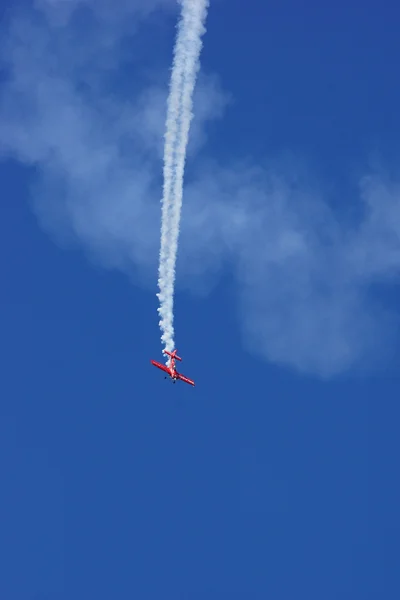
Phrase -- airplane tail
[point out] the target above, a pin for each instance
(172, 354)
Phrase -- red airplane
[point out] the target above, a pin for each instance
(171, 368)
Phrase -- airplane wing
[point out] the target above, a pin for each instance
(185, 379)
(160, 366)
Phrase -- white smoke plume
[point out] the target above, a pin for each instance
(179, 115)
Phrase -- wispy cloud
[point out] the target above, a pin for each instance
(97, 146)
(306, 278)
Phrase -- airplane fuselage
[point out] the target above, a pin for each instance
(174, 373)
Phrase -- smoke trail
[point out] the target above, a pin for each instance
(179, 115)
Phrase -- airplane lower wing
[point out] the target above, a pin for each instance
(172, 373)
(160, 366)
(185, 379)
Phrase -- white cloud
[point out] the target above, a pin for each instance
(304, 278)
(306, 282)
(59, 12)
(97, 150)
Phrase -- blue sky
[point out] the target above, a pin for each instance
(276, 477)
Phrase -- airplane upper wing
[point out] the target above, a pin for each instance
(185, 379)
(160, 366)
